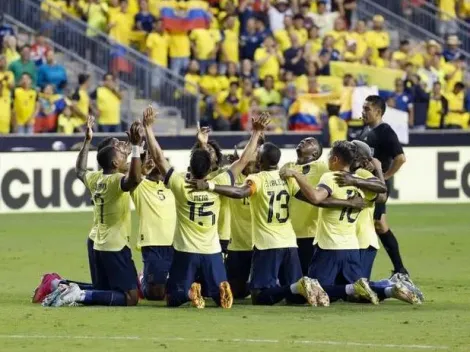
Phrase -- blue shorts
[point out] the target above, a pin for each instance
(91, 260)
(367, 260)
(209, 268)
(115, 270)
(274, 267)
(335, 267)
(238, 264)
(157, 261)
(305, 253)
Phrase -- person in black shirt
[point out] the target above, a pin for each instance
(387, 149)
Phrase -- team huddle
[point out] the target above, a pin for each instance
(232, 227)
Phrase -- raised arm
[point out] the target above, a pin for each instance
(312, 195)
(82, 159)
(134, 175)
(153, 147)
(259, 125)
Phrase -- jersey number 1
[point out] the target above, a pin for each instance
(201, 212)
(284, 204)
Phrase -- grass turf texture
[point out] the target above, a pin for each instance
(434, 241)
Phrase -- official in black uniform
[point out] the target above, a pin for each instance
(385, 146)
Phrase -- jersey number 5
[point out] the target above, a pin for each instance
(283, 199)
(348, 212)
(201, 212)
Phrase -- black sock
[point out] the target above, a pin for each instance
(390, 244)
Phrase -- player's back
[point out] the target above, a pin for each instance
(365, 222)
(155, 205)
(337, 226)
(240, 221)
(270, 214)
(197, 215)
(304, 217)
(111, 210)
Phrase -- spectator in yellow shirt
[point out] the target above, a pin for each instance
(457, 117)
(204, 45)
(25, 105)
(5, 108)
(267, 95)
(67, 124)
(180, 50)
(268, 59)
(383, 60)
(282, 35)
(210, 87)
(157, 44)
(6, 77)
(121, 24)
(447, 21)
(230, 43)
(314, 43)
(359, 35)
(437, 108)
(299, 29)
(10, 50)
(108, 105)
(454, 72)
(339, 34)
(227, 109)
(378, 37)
(192, 78)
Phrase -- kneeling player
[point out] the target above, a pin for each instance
(116, 276)
(155, 205)
(196, 243)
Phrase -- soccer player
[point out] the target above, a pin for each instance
(368, 176)
(276, 273)
(387, 149)
(196, 245)
(50, 281)
(155, 205)
(116, 276)
(304, 217)
(336, 262)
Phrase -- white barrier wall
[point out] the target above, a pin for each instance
(36, 182)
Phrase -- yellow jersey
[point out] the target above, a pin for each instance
(338, 129)
(270, 66)
(9, 78)
(180, 45)
(109, 106)
(205, 41)
(366, 234)
(155, 205)
(302, 35)
(304, 216)
(197, 214)
(122, 28)
(337, 226)
(5, 113)
(271, 224)
(191, 83)
(447, 8)
(82, 101)
(68, 124)
(24, 104)
(283, 39)
(230, 48)
(211, 84)
(435, 111)
(457, 103)
(157, 45)
(111, 211)
(240, 221)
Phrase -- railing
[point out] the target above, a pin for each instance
(396, 20)
(78, 65)
(151, 82)
(426, 16)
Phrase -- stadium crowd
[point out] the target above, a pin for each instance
(259, 54)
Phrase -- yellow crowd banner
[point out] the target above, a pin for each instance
(383, 78)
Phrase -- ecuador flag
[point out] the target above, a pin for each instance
(185, 16)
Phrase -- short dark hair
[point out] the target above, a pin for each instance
(459, 85)
(83, 77)
(200, 163)
(377, 102)
(333, 109)
(218, 151)
(271, 154)
(344, 150)
(105, 157)
(105, 143)
(404, 42)
(108, 74)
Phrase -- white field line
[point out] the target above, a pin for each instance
(242, 341)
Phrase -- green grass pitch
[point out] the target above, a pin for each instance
(435, 243)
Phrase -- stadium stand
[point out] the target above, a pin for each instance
(302, 60)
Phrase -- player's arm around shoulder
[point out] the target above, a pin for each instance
(308, 192)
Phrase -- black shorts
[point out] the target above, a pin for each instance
(115, 270)
(381, 208)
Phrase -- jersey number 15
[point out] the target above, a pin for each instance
(199, 211)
